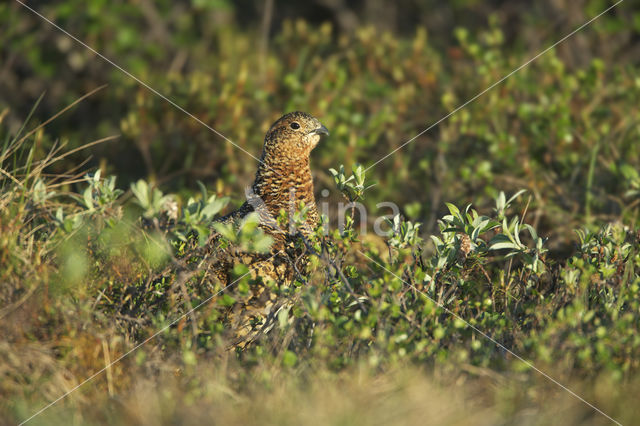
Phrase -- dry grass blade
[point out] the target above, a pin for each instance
(14, 146)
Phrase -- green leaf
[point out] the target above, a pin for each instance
(289, 359)
(500, 202)
(503, 245)
(226, 230)
(532, 231)
(263, 245)
(500, 242)
(226, 300)
(455, 211)
(516, 195)
(88, 199)
(213, 207)
(140, 190)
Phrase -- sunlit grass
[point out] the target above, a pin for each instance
(97, 257)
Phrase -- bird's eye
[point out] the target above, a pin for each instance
(295, 125)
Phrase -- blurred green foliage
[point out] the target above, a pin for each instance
(520, 212)
(562, 127)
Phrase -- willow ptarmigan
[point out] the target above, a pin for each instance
(282, 182)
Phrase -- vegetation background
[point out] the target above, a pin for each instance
(553, 274)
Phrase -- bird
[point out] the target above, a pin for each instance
(282, 182)
(283, 178)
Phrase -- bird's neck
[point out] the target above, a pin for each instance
(283, 185)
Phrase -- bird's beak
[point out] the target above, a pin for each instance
(321, 131)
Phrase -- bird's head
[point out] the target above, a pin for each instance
(292, 137)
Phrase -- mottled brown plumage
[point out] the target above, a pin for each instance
(283, 179)
(282, 182)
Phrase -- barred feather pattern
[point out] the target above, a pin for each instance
(283, 181)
